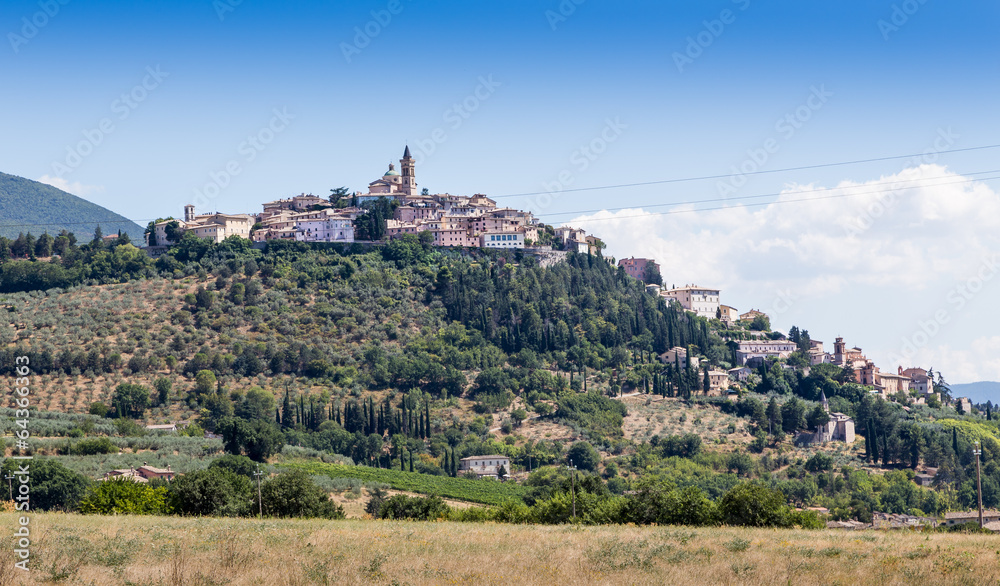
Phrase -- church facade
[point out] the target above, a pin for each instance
(394, 183)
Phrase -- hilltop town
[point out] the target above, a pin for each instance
(475, 221)
(448, 220)
(440, 345)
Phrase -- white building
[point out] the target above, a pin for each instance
(750, 349)
(216, 227)
(503, 239)
(701, 300)
(332, 228)
(485, 465)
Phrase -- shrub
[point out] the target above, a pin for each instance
(124, 496)
(129, 428)
(99, 409)
(819, 462)
(92, 446)
(584, 456)
(216, 491)
(235, 463)
(294, 494)
(53, 486)
(754, 505)
(414, 508)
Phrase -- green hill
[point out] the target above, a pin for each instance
(30, 206)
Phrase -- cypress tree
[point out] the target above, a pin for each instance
(286, 410)
(871, 432)
(372, 423)
(954, 440)
(411, 460)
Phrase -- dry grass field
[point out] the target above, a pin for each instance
(74, 549)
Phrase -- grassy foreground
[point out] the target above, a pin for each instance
(76, 549)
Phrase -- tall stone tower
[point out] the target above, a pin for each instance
(189, 213)
(838, 352)
(409, 178)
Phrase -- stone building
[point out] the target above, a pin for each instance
(840, 428)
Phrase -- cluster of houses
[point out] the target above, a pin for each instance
(991, 521)
(452, 220)
(143, 473)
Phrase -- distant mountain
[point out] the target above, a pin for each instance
(979, 392)
(30, 206)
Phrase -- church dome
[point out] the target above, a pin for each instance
(391, 172)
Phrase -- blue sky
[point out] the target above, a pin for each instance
(661, 89)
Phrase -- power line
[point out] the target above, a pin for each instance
(750, 205)
(646, 183)
(748, 197)
(762, 172)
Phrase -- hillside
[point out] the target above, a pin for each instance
(30, 206)
(130, 549)
(406, 357)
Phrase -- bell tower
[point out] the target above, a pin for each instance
(409, 177)
(838, 352)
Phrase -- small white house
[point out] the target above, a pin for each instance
(168, 427)
(485, 465)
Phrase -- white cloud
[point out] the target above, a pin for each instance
(896, 231)
(865, 260)
(980, 361)
(76, 188)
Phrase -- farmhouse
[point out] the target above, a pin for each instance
(143, 473)
(960, 517)
(485, 465)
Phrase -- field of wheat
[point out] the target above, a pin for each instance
(74, 549)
